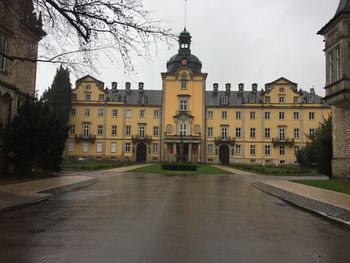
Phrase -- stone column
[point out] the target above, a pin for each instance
(166, 154)
(199, 153)
(189, 153)
(174, 152)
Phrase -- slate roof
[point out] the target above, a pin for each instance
(235, 98)
(343, 8)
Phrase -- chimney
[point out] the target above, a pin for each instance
(216, 88)
(127, 87)
(312, 91)
(141, 85)
(255, 88)
(114, 86)
(267, 87)
(228, 87)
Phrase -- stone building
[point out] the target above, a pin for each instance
(337, 49)
(20, 33)
(259, 126)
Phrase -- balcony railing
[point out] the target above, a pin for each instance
(138, 138)
(282, 141)
(84, 138)
(224, 140)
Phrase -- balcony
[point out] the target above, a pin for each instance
(82, 138)
(228, 140)
(138, 139)
(279, 141)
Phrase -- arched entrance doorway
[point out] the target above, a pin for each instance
(224, 154)
(141, 153)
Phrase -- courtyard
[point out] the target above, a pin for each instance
(138, 217)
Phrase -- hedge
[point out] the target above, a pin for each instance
(179, 167)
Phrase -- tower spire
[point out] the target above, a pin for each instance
(185, 14)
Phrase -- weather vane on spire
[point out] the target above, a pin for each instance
(185, 14)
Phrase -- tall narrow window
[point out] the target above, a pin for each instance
(337, 63)
(183, 105)
(183, 129)
(331, 67)
(86, 130)
(282, 134)
(224, 132)
(142, 131)
(2, 50)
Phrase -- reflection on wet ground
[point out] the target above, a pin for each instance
(156, 218)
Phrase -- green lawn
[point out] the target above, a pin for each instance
(90, 165)
(278, 171)
(201, 169)
(328, 184)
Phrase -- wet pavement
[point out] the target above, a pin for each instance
(156, 218)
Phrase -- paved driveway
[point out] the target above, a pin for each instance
(156, 218)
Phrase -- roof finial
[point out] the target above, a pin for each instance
(185, 15)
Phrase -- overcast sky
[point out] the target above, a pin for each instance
(237, 41)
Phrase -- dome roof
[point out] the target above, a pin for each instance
(184, 58)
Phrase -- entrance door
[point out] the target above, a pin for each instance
(224, 154)
(141, 153)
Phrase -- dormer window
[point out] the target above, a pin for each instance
(281, 90)
(184, 76)
(87, 87)
(143, 100)
(101, 97)
(296, 99)
(224, 100)
(267, 99)
(251, 99)
(309, 99)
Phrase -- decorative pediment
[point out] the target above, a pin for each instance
(183, 116)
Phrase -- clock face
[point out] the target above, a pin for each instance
(184, 61)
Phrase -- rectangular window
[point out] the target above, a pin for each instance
(142, 113)
(337, 63)
(267, 133)
(238, 115)
(3, 43)
(156, 131)
(282, 134)
(224, 133)
(86, 130)
(156, 114)
(252, 133)
(267, 99)
(224, 115)
(267, 115)
(101, 97)
(267, 150)
(99, 147)
(252, 115)
(128, 113)
(87, 96)
(296, 133)
(331, 67)
(282, 150)
(114, 130)
(155, 147)
(72, 112)
(86, 112)
(183, 105)
(296, 115)
(127, 147)
(71, 146)
(238, 132)
(183, 85)
(127, 130)
(114, 112)
(238, 149)
(252, 149)
(74, 96)
(183, 129)
(71, 129)
(142, 131)
(85, 147)
(296, 99)
(113, 147)
(210, 115)
(101, 112)
(210, 132)
(281, 115)
(99, 130)
(210, 149)
(311, 115)
(312, 132)
(281, 99)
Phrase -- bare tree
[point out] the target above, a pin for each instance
(79, 32)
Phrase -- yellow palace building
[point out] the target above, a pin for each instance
(231, 126)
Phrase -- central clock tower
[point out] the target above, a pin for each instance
(183, 110)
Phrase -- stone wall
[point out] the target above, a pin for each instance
(341, 144)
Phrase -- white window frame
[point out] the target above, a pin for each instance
(71, 146)
(155, 147)
(85, 146)
(183, 129)
(86, 130)
(114, 130)
(99, 130)
(99, 147)
(210, 149)
(252, 150)
(156, 114)
(238, 115)
(224, 115)
(210, 115)
(114, 112)
(183, 104)
(113, 147)
(143, 113)
(210, 132)
(267, 133)
(297, 133)
(224, 132)
(252, 115)
(101, 112)
(267, 115)
(267, 150)
(86, 112)
(238, 132)
(142, 131)
(238, 149)
(155, 131)
(282, 115)
(282, 150)
(128, 113)
(127, 130)
(252, 133)
(296, 115)
(127, 147)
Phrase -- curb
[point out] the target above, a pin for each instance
(52, 192)
(329, 211)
